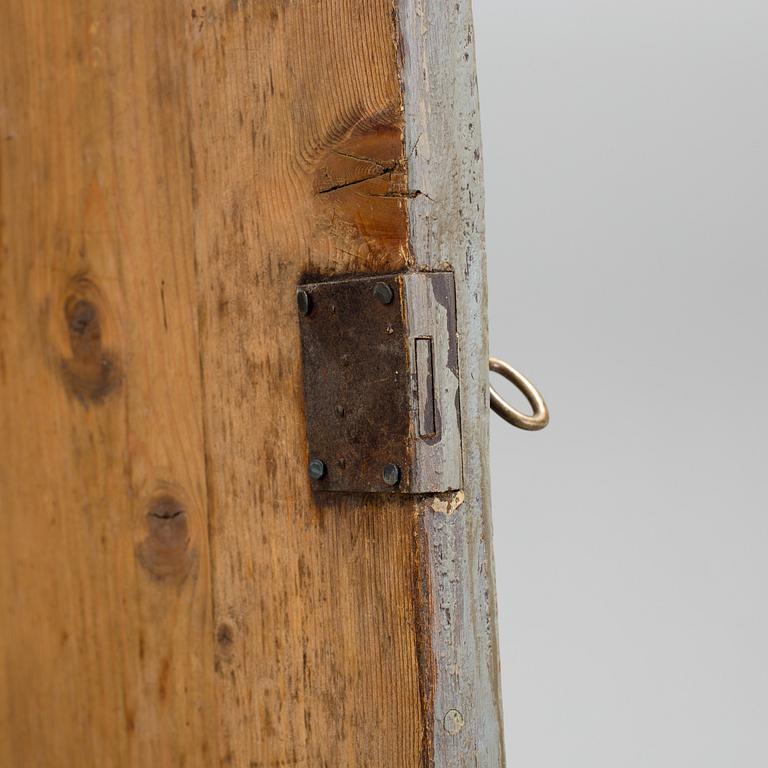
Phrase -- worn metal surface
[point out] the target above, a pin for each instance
(356, 375)
(430, 305)
(381, 385)
(540, 416)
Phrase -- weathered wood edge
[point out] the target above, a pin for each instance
(446, 229)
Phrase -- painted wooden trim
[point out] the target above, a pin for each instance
(446, 230)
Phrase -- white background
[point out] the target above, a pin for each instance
(626, 166)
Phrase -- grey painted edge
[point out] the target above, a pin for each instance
(446, 230)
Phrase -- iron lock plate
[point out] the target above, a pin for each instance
(381, 383)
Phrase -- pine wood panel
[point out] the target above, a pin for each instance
(297, 155)
(105, 639)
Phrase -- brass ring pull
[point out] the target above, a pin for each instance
(540, 416)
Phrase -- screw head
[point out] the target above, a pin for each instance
(391, 474)
(316, 469)
(303, 301)
(383, 293)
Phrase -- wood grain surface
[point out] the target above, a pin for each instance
(171, 593)
(105, 612)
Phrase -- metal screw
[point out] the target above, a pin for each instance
(304, 301)
(383, 293)
(391, 474)
(316, 469)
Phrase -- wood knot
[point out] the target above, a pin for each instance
(361, 191)
(225, 646)
(165, 550)
(91, 371)
(83, 320)
(225, 636)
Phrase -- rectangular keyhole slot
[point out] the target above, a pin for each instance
(426, 387)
